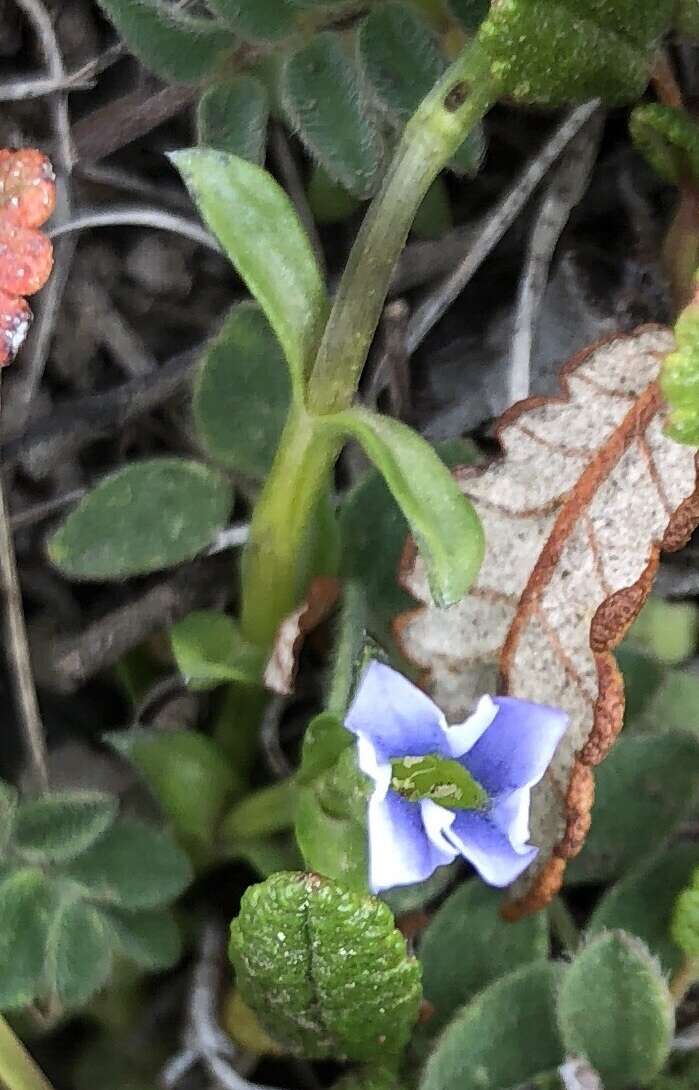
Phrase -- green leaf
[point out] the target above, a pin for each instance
(687, 19)
(210, 650)
(470, 13)
(412, 898)
(615, 1010)
(148, 516)
(242, 394)
(59, 827)
(323, 743)
(666, 630)
(132, 866)
(679, 378)
(324, 97)
(258, 20)
(189, 776)
(642, 902)
(324, 968)
(331, 823)
(443, 522)
(441, 779)
(78, 954)
(668, 138)
(232, 116)
(175, 46)
(263, 812)
(644, 789)
(469, 922)
(401, 60)
(503, 1037)
(434, 217)
(685, 923)
(8, 811)
(151, 939)
(258, 227)
(602, 48)
(28, 904)
(329, 201)
(643, 677)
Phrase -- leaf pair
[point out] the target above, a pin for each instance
(77, 887)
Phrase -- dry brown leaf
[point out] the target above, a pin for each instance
(280, 672)
(575, 514)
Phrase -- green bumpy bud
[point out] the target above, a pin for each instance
(679, 379)
(444, 781)
(669, 140)
(564, 51)
(684, 928)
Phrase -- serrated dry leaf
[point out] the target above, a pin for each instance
(576, 513)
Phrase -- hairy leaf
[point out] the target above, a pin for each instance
(132, 866)
(61, 826)
(265, 241)
(242, 394)
(324, 968)
(469, 922)
(174, 45)
(615, 1010)
(575, 514)
(151, 939)
(28, 904)
(680, 375)
(668, 138)
(258, 20)
(8, 812)
(78, 954)
(148, 516)
(209, 650)
(503, 1037)
(642, 902)
(232, 116)
(644, 790)
(447, 530)
(325, 99)
(331, 822)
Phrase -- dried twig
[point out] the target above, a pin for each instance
(111, 127)
(136, 216)
(564, 191)
(36, 87)
(494, 226)
(204, 1040)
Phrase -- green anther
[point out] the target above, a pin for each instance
(438, 778)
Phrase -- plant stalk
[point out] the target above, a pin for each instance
(17, 1069)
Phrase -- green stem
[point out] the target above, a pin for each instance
(17, 1069)
(348, 647)
(433, 134)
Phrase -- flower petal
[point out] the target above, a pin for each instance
(378, 771)
(517, 747)
(480, 841)
(396, 716)
(461, 737)
(400, 852)
(511, 816)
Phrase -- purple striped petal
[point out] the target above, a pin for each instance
(397, 717)
(488, 848)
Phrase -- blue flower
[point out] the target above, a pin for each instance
(442, 791)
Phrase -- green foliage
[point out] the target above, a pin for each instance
(78, 953)
(258, 20)
(242, 394)
(442, 779)
(434, 216)
(209, 650)
(325, 969)
(8, 813)
(133, 866)
(264, 812)
(615, 1010)
(172, 44)
(402, 60)
(602, 48)
(148, 516)
(266, 243)
(329, 201)
(151, 938)
(325, 739)
(642, 902)
(28, 904)
(442, 521)
(506, 1035)
(469, 923)
(679, 379)
(60, 827)
(668, 138)
(687, 18)
(667, 631)
(324, 98)
(470, 13)
(644, 790)
(188, 775)
(232, 116)
(643, 677)
(331, 822)
(685, 922)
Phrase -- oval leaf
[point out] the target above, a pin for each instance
(444, 524)
(258, 228)
(78, 954)
(151, 939)
(324, 97)
(324, 968)
(615, 1010)
(148, 516)
(469, 922)
(209, 650)
(175, 46)
(258, 20)
(232, 117)
(242, 394)
(576, 512)
(504, 1037)
(61, 826)
(27, 907)
(132, 866)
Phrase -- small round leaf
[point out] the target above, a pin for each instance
(61, 826)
